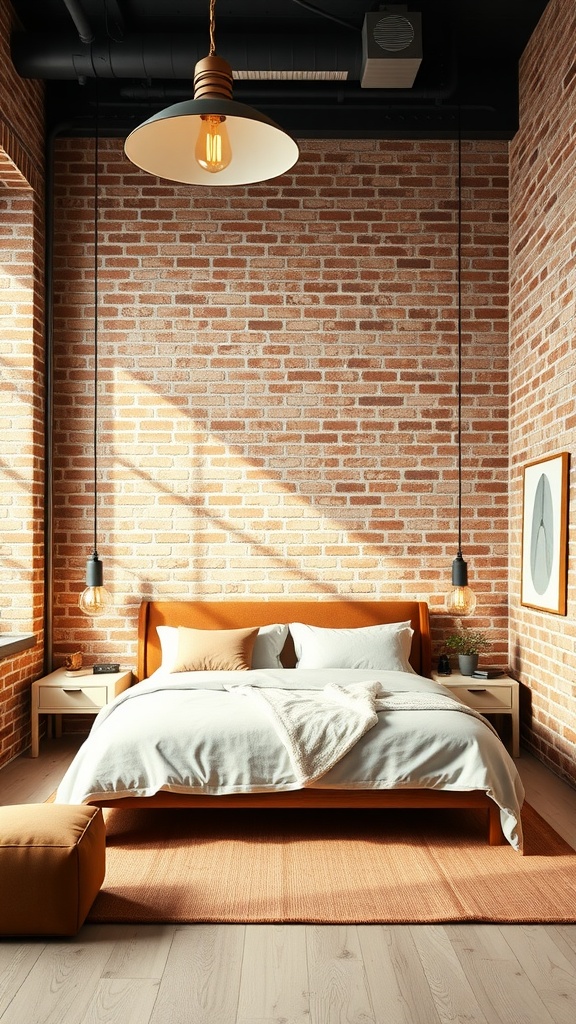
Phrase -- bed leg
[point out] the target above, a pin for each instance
(495, 833)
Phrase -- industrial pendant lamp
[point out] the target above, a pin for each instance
(95, 599)
(211, 139)
(461, 600)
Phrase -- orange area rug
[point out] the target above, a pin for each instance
(393, 866)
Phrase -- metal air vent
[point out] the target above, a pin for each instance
(391, 49)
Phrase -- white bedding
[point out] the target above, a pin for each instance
(215, 733)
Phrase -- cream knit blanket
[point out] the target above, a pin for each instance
(318, 727)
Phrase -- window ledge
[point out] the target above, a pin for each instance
(12, 643)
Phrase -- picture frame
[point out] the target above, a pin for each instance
(545, 533)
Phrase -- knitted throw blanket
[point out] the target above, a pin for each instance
(318, 727)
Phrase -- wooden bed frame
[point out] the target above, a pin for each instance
(239, 614)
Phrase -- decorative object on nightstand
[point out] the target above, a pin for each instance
(461, 600)
(444, 668)
(73, 662)
(467, 644)
(489, 697)
(56, 694)
(73, 665)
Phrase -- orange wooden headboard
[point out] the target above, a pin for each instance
(239, 614)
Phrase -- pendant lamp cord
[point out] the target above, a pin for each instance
(95, 424)
(459, 274)
(212, 50)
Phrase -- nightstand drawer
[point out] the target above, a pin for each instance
(484, 697)
(71, 698)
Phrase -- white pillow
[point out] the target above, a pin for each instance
(265, 653)
(384, 647)
(268, 646)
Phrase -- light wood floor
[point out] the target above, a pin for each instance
(291, 974)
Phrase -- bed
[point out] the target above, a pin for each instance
(404, 739)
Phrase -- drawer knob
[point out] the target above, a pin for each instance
(477, 689)
(72, 689)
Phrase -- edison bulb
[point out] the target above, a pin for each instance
(461, 601)
(95, 601)
(213, 151)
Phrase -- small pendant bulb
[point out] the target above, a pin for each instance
(95, 599)
(461, 600)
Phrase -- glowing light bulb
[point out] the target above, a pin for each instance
(95, 600)
(213, 151)
(461, 601)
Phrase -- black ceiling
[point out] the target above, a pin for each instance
(142, 56)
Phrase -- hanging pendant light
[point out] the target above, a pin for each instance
(211, 139)
(95, 599)
(461, 600)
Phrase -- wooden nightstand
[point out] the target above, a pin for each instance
(488, 696)
(58, 694)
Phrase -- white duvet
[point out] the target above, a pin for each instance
(283, 729)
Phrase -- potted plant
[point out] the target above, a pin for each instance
(467, 644)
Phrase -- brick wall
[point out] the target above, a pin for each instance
(278, 382)
(278, 374)
(21, 110)
(22, 389)
(542, 363)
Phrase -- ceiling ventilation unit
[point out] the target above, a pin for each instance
(391, 48)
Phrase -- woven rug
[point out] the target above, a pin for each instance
(393, 866)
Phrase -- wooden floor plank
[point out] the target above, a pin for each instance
(16, 961)
(501, 987)
(398, 988)
(61, 984)
(550, 971)
(452, 993)
(122, 999)
(139, 951)
(27, 780)
(201, 982)
(274, 983)
(553, 798)
(338, 984)
(564, 935)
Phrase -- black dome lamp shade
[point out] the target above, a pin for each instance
(211, 139)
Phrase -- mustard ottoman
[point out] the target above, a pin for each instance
(52, 864)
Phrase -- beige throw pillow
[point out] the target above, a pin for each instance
(214, 650)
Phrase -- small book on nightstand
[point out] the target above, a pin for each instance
(487, 673)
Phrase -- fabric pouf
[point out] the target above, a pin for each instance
(52, 864)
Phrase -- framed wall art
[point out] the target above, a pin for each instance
(545, 533)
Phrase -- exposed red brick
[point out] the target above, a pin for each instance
(542, 369)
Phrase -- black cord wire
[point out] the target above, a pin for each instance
(459, 274)
(95, 425)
